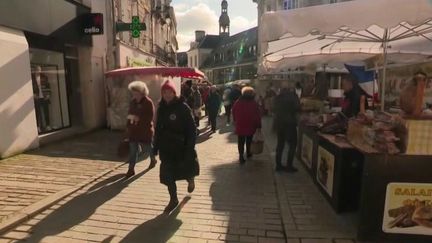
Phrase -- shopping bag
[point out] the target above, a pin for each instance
(257, 146)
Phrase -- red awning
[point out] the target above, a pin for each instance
(184, 72)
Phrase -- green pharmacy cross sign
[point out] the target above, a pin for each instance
(135, 27)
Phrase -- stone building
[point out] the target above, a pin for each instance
(224, 58)
(157, 45)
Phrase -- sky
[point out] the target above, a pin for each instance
(204, 15)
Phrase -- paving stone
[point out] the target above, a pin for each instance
(344, 241)
(228, 205)
(293, 240)
(316, 241)
(275, 234)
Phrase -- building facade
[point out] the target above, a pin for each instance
(52, 67)
(51, 76)
(157, 45)
(224, 58)
(234, 58)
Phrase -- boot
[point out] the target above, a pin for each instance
(291, 169)
(191, 185)
(130, 173)
(153, 163)
(242, 160)
(171, 205)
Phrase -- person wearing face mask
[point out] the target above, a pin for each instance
(140, 129)
(175, 138)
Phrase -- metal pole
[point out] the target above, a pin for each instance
(383, 85)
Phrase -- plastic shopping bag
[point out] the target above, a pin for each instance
(257, 146)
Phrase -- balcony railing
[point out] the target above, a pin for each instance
(163, 55)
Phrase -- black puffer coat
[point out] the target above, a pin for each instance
(175, 138)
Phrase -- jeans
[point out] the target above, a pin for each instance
(135, 153)
(241, 143)
(287, 135)
(42, 113)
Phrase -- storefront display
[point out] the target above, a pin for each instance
(49, 89)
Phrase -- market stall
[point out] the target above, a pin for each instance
(118, 95)
(374, 162)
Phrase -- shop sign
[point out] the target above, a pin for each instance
(93, 24)
(408, 209)
(306, 151)
(325, 170)
(141, 62)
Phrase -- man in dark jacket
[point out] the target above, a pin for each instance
(235, 94)
(286, 108)
(42, 96)
(214, 103)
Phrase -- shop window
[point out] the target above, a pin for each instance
(49, 90)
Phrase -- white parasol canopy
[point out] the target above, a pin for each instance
(400, 30)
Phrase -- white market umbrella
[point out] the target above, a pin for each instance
(400, 30)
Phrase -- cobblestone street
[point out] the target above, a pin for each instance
(40, 174)
(231, 203)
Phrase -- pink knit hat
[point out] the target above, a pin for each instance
(168, 85)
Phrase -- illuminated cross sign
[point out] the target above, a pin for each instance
(135, 27)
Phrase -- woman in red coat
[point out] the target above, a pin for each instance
(247, 119)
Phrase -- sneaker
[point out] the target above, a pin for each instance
(191, 185)
(242, 160)
(171, 206)
(153, 163)
(291, 169)
(130, 173)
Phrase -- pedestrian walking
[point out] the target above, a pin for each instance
(286, 109)
(214, 104)
(174, 140)
(235, 93)
(140, 129)
(205, 91)
(247, 119)
(227, 104)
(197, 105)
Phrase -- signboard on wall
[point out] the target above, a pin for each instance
(408, 209)
(140, 62)
(325, 170)
(93, 24)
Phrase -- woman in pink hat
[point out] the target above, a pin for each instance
(175, 137)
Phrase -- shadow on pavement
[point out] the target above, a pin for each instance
(203, 137)
(80, 208)
(242, 192)
(100, 145)
(157, 230)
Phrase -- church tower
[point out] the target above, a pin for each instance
(224, 21)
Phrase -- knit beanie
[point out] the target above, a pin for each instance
(168, 85)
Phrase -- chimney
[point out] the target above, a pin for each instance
(199, 35)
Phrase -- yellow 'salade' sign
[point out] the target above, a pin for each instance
(413, 192)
